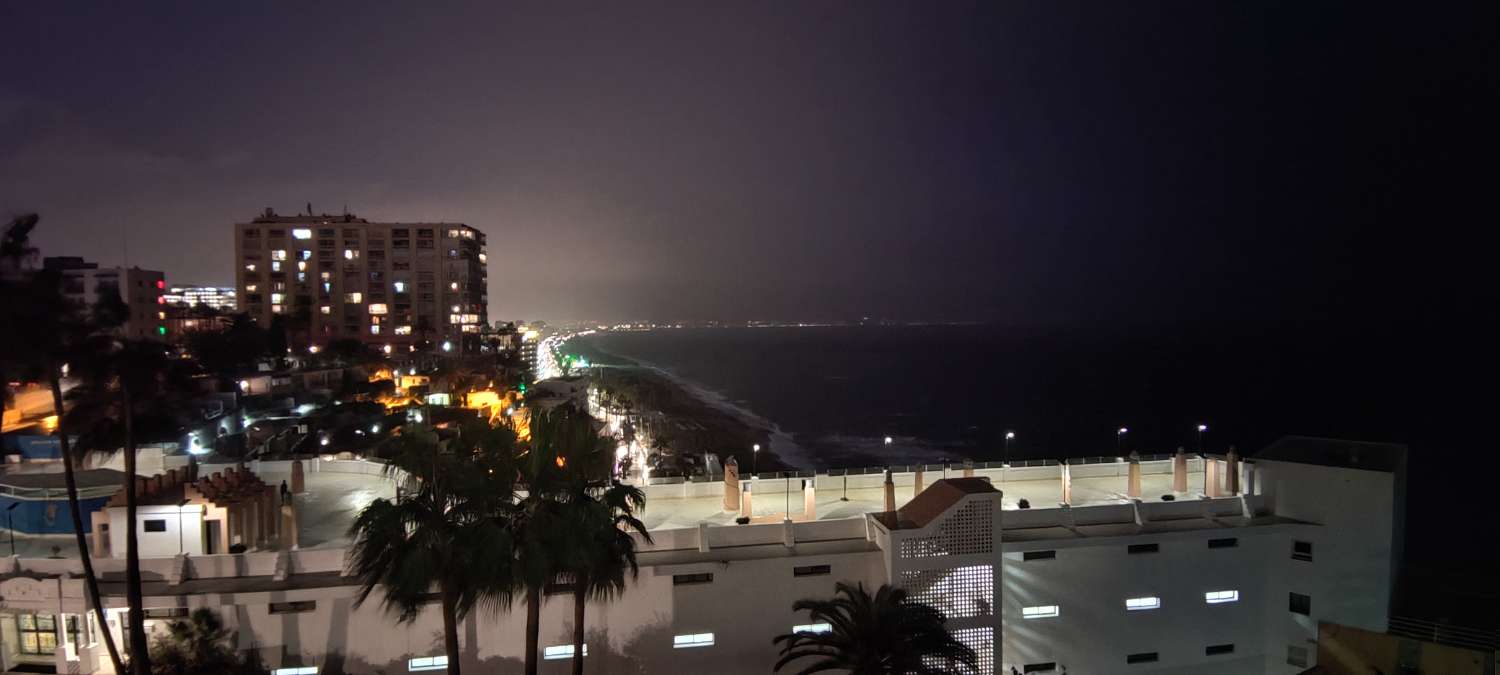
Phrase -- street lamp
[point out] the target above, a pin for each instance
(1201, 428)
(755, 460)
(887, 440)
(1120, 439)
(1005, 456)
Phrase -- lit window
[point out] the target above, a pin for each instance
(1040, 612)
(452, 234)
(483, 258)
(306, 254)
(377, 308)
(1134, 604)
(692, 640)
(250, 267)
(351, 254)
(403, 330)
(327, 287)
(812, 628)
(400, 286)
(276, 298)
(375, 329)
(301, 266)
(161, 315)
(250, 288)
(1221, 597)
(559, 652)
(301, 277)
(275, 265)
(427, 663)
(457, 309)
(325, 275)
(304, 670)
(354, 298)
(302, 233)
(278, 254)
(325, 309)
(275, 309)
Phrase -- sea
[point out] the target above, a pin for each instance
(832, 394)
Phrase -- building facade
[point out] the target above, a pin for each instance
(142, 291)
(1101, 574)
(217, 297)
(392, 285)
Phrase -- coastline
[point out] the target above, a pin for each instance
(691, 418)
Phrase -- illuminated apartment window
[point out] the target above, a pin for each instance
(1221, 597)
(301, 265)
(1149, 602)
(812, 628)
(278, 254)
(400, 286)
(327, 287)
(351, 254)
(301, 277)
(377, 308)
(354, 298)
(427, 663)
(304, 670)
(306, 254)
(559, 652)
(251, 288)
(452, 234)
(325, 275)
(275, 265)
(250, 267)
(692, 640)
(1040, 612)
(276, 298)
(275, 309)
(403, 330)
(302, 233)
(375, 329)
(325, 309)
(483, 258)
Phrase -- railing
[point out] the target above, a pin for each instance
(1443, 634)
(667, 476)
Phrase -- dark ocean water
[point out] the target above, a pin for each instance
(952, 391)
(955, 390)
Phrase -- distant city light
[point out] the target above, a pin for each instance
(887, 440)
(1202, 428)
(1010, 435)
(447, 346)
(1122, 430)
(245, 386)
(374, 428)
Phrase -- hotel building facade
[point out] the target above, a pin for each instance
(391, 285)
(1099, 572)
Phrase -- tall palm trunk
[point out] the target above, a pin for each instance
(90, 580)
(450, 629)
(533, 625)
(140, 658)
(580, 600)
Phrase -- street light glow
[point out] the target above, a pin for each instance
(1122, 430)
(1202, 428)
(887, 440)
(1010, 435)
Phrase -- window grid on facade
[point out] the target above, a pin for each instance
(960, 593)
(38, 633)
(982, 641)
(968, 531)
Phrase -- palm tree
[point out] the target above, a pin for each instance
(602, 520)
(199, 646)
(886, 633)
(41, 326)
(447, 531)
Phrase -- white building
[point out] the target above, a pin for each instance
(217, 297)
(1101, 574)
(84, 283)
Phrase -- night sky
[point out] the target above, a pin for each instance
(1020, 162)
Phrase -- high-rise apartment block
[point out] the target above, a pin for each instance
(388, 284)
(84, 283)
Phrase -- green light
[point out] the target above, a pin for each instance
(161, 330)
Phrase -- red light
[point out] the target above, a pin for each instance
(161, 300)
(161, 284)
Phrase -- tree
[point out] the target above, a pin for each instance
(198, 646)
(448, 530)
(603, 520)
(42, 326)
(886, 633)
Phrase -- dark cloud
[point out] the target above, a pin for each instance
(1016, 161)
